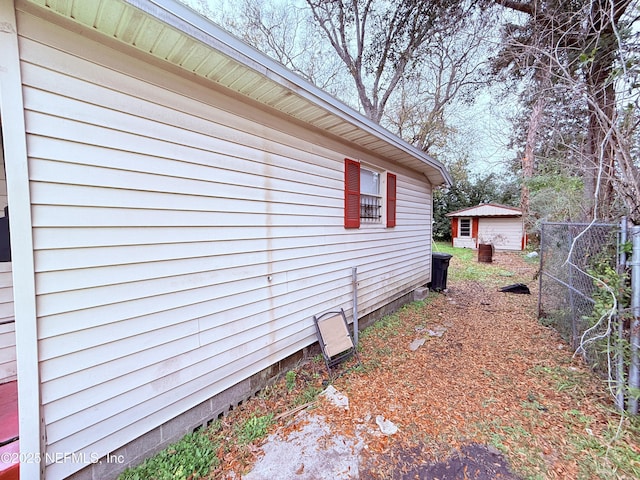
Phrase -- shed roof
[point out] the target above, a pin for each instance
(173, 33)
(487, 210)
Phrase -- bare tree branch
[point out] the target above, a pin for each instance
(581, 45)
(378, 42)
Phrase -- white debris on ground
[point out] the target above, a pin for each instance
(417, 343)
(334, 396)
(437, 331)
(313, 452)
(387, 427)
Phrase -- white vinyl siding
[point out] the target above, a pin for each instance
(502, 233)
(3, 183)
(7, 326)
(182, 240)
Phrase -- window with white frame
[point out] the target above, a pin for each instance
(465, 227)
(364, 197)
(370, 198)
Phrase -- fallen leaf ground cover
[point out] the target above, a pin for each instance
(494, 379)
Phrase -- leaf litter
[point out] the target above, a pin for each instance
(493, 394)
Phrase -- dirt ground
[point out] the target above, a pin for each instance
(479, 379)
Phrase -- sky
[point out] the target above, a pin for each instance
(483, 125)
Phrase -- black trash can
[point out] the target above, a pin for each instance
(439, 268)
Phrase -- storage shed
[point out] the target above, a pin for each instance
(180, 206)
(488, 223)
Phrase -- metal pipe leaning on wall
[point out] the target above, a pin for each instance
(354, 279)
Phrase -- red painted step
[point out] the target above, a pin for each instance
(11, 469)
(8, 411)
(9, 453)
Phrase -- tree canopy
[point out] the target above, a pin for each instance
(578, 61)
(413, 66)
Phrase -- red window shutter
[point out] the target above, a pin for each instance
(391, 200)
(474, 229)
(351, 194)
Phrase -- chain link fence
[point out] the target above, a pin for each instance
(570, 253)
(590, 292)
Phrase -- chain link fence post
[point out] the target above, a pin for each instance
(620, 381)
(634, 367)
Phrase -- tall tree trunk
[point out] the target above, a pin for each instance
(601, 168)
(602, 154)
(595, 38)
(528, 161)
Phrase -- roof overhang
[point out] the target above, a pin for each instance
(173, 33)
(487, 210)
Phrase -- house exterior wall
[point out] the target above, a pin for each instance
(3, 181)
(503, 233)
(7, 325)
(182, 239)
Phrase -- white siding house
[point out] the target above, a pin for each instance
(180, 208)
(7, 330)
(498, 225)
(7, 321)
